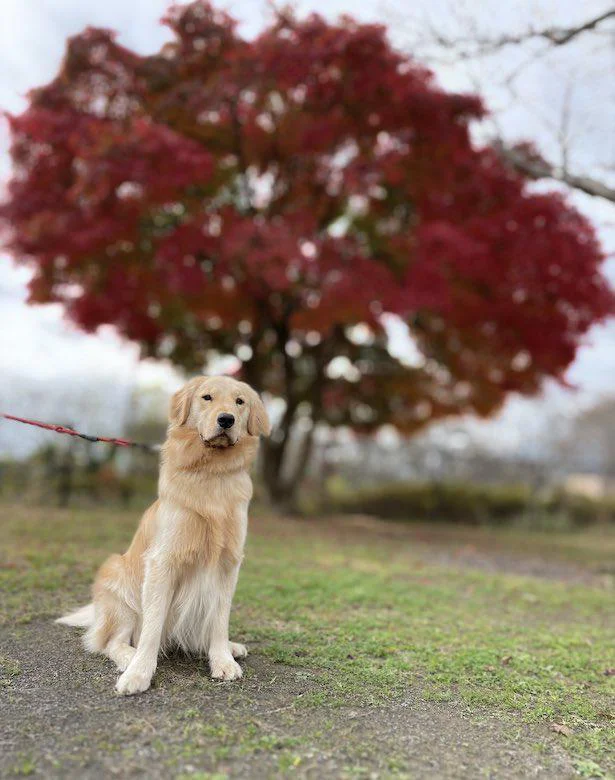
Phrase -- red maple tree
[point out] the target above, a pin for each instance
(266, 197)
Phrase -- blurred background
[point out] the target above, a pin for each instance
(541, 453)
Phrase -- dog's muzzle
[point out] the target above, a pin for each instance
(221, 441)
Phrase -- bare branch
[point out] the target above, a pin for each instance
(561, 36)
(556, 36)
(542, 170)
(534, 43)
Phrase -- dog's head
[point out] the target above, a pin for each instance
(220, 409)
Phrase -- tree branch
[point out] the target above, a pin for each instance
(560, 36)
(543, 170)
(241, 158)
(556, 36)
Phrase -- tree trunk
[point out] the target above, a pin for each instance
(281, 478)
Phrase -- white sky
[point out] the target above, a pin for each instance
(39, 349)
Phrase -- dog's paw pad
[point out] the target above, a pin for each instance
(130, 683)
(225, 668)
(237, 650)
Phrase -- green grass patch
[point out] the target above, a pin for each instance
(368, 630)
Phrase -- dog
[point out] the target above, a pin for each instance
(174, 585)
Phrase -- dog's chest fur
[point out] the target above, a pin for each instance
(205, 542)
(193, 606)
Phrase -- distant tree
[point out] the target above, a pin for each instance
(273, 198)
(591, 443)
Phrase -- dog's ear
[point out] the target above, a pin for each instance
(258, 421)
(181, 402)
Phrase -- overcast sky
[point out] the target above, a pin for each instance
(39, 349)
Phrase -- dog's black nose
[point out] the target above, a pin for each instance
(226, 420)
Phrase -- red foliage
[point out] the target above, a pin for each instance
(227, 191)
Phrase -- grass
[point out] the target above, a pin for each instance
(369, 624)
(363, 621)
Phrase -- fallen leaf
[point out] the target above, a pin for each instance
(559, 728)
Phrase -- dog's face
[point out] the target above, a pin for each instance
(220, 409)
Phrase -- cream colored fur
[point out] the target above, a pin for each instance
(174, 585)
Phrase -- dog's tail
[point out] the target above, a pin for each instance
(81, 618)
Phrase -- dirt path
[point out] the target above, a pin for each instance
(61, 719)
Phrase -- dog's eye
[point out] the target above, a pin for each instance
(239, 401)
(207, 397)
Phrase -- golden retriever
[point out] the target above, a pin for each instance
(175, 584)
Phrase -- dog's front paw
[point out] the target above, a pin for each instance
(224, 667)
(237, 650)
(133, 681)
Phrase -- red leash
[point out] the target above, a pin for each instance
(71, 432)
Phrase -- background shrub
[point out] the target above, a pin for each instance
(469, 503)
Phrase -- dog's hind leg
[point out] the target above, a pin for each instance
(112, 631)
(238, 650)
(115, 622)
(119, 649)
